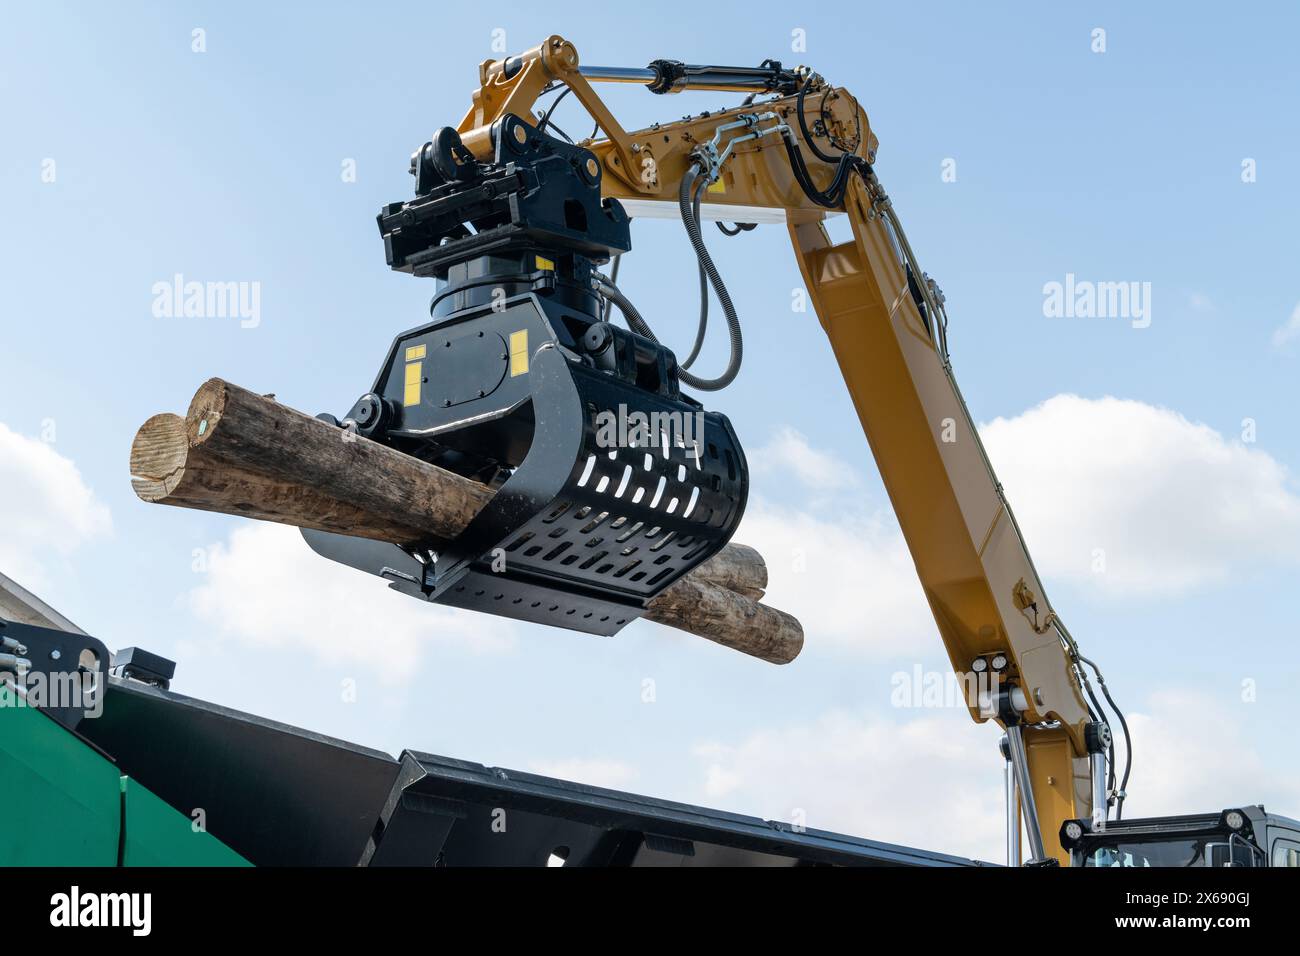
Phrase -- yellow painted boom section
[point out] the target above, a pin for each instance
(970, 559)
(950, 508)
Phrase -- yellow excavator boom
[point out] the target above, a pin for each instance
(887, 326)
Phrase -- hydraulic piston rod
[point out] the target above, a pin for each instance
(618, 74)
(1020, 765)
(670, 76)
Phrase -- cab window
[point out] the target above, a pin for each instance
(1286, 853)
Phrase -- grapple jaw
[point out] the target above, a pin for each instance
(609, 483)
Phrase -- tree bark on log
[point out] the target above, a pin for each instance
(237, 452)
(728, 618)
(166, 470)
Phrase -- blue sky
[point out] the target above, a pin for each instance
(1117, 166)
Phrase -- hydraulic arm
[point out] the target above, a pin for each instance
(503, 203)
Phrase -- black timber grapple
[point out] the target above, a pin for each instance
(609, 483)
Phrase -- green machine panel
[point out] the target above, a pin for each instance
(62, 803)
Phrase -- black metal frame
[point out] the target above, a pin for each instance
(282, 796)
(580, 534)
(54, 654)
(450, 812)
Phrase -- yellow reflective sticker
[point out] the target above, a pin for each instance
(718, 186)
(414, 352)
(519, 353)
(544, 263)
(414, 372)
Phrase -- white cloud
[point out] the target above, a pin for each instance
(1289, 330)
(612, 774)
(1173, 505)
(1193, 754)
(265, 587)
(789, 453)
(843, 570)
(934, 781)
(1167, 504)
(846, 575)
(930, 781)
(46, 509)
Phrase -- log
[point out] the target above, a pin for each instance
(274, 463)
(237, 452)
(737, 567)
(165, 470)
(728, 618)
(270, 439)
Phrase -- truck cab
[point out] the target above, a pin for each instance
(1239, 836)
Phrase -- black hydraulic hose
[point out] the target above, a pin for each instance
(833, 195)
(546, 117)
(803, 125)
(703, 325)
(638, 324)
(1098, 713)
(736, 228)
(630, 313)
(1128, 740)
(686, 201)
(613, 278)
(1128, 753)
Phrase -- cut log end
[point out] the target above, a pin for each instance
(206, 409)
(158, 457)
(737, 567)
(168, 468)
